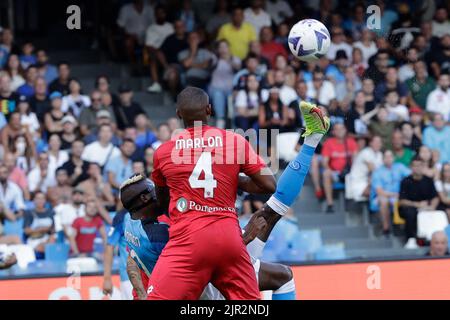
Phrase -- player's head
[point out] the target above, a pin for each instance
(138, 195)
(193, 105)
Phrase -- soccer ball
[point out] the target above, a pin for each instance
(309, 40)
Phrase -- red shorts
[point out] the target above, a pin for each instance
(216, 254)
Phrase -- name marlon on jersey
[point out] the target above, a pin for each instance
(204, 142)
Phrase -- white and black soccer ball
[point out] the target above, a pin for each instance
(309, 40)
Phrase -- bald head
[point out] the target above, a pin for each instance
(439, 244)
(193, 105)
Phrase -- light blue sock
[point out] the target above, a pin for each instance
(291, 181)
(284, 296)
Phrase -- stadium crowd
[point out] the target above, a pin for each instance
(64, 153)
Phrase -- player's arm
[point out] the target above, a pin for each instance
(134, 274)
(258, 183)
(107, 263)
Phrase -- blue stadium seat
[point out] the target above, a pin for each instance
(308, 241)
(292, 255)
(269, 255)
(13, 227)
(447, 231)
(57, 252)
(338, 186)
(331, 252)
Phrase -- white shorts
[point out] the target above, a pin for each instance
(126, 290)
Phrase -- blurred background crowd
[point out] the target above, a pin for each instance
(65, 150)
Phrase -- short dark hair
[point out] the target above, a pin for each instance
(128, 140)
(60, 63)
(192, 95)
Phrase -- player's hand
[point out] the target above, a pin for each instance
(107, 286)
(254, 226)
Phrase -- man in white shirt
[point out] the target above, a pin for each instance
(133, 19)
(438, 100)
(12, 203)
(365, 162)
(279, 10)
(321, 90)
(440, 24)
(41, 178)
(287, 93)
(338, 43)
(256, 16)
(155, 35)
(66, 213)
(102, 150)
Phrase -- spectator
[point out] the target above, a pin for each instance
(431, 167)
(417, 121)
(248, 102)
(75, 101)
(436, 136)
(287, 93)
(53, 117)
(138, 167)
(102, 118)
(7, 46)
(273, 115)
(133, 19)
(442, 185)
(385, 188)
(24, 151)
(279, 10)
(102, 150)
(148, 160)
(357, 23)
(120, 168)
(321, 90)
(12, 131)
(85, 229)
(368, 87)
(238, 33)
(402, 154)
(224, 66)
(357, 63)
(38, 225)
(358, 117)
(365, 163)
(410, 139)
(27, 58)
(102, 85)
(366, 45)
(27, 89)
(66, 213)
(396, 112)
(336, 72)
(28, 119)
(220, 17)
(11, 196)
(257, 16)
(155, 35)
(187, 15)
(378, 68)
(438, 245)
(39, 102)
(8, 98)
(440, 23)
(168, 55)
(61, 84)
(440, 58)
(419, 86)
(15, 71)
(163, 134)
(56, 156)
(16, 174)
(127, 110)
(76, 167)
(295, 118)
(347, 88)
(174, 124)
(196, 62)
(338, 43)
(144, 136)
(270, 49)
(406, 71)
(252, 66)
(338, 152)
(46, 70)
(62, 191)
(69, 134)
(417, 192)
(88, 116)
(97, 188)
(41, 177)
(388, 17)
(391, 82)
(438, 101)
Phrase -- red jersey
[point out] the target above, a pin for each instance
(86, 232)
(201, 166)
(339, 153)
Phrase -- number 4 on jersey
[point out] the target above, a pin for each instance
(204, 164)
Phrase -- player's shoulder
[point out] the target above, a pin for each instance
(119, 218)
(156, 232)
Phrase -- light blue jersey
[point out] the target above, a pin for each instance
(146, 240)
(116, 238)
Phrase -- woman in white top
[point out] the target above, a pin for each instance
(56, 156)
(74, 102)
(221, 84)
(443, 189)
(15, 71)
(432, 168)
(28, 118)
(247, 103)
